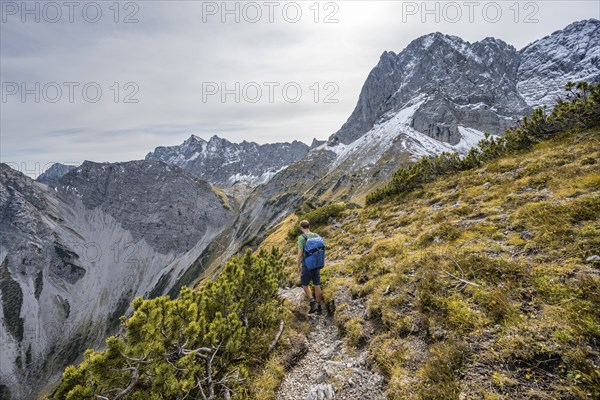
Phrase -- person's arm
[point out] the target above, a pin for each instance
(300, 254)
(301, 244)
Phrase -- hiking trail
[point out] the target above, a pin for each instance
(328, 370)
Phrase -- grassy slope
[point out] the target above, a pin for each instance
(520, 229)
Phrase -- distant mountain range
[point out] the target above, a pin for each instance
(80, 243)
(224, 163)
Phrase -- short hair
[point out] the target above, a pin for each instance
(304, 224)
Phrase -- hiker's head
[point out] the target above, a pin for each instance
(304, 226)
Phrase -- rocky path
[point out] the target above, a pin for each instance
(328, 371)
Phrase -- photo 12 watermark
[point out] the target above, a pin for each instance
(470, 11)
(117, 252)
(69, 92)
(269, 92)
(52, 12)
(271, 12)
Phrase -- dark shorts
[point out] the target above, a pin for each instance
(308, 275)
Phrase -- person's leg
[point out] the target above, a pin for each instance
(307, 277)
(314, 307)
(304, 282)
(318, 293)
(316, 278)
(307, 292)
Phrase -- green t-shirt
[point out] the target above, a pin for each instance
(302, 241)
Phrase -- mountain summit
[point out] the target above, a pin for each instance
(571, 54)
(483, 85)
(224, 163)
(440, 94)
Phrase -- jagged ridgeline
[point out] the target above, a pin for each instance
(202, 345)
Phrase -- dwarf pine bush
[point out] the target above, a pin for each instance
(200, 345)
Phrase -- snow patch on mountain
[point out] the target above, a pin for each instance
(371, 146)
(254, 180)
(469, 138)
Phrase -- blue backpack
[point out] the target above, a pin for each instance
(314, 252)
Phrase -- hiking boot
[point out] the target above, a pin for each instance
(319, 309)
(313, 307)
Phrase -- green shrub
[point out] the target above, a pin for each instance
(12, 301)
(206, 341)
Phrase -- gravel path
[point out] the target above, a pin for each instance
(327, 371)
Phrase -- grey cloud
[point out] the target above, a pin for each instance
(171, 52)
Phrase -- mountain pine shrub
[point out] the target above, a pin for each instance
(200, 345)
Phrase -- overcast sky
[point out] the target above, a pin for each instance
(162, 67)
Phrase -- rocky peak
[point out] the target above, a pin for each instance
(316, 143)
(15, 183)
(194, 140)
(485, 85)
(224, 163)
(439, 66)
(54, 173)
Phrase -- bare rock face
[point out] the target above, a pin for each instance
(382, 82)
(484, 85)
(73, 257)
(165, 206)
(224, 163)
(570, 54)
(53, 174)
(469, 84)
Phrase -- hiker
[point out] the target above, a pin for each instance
(311, 258)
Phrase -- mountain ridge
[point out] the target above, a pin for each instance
(225, 163)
